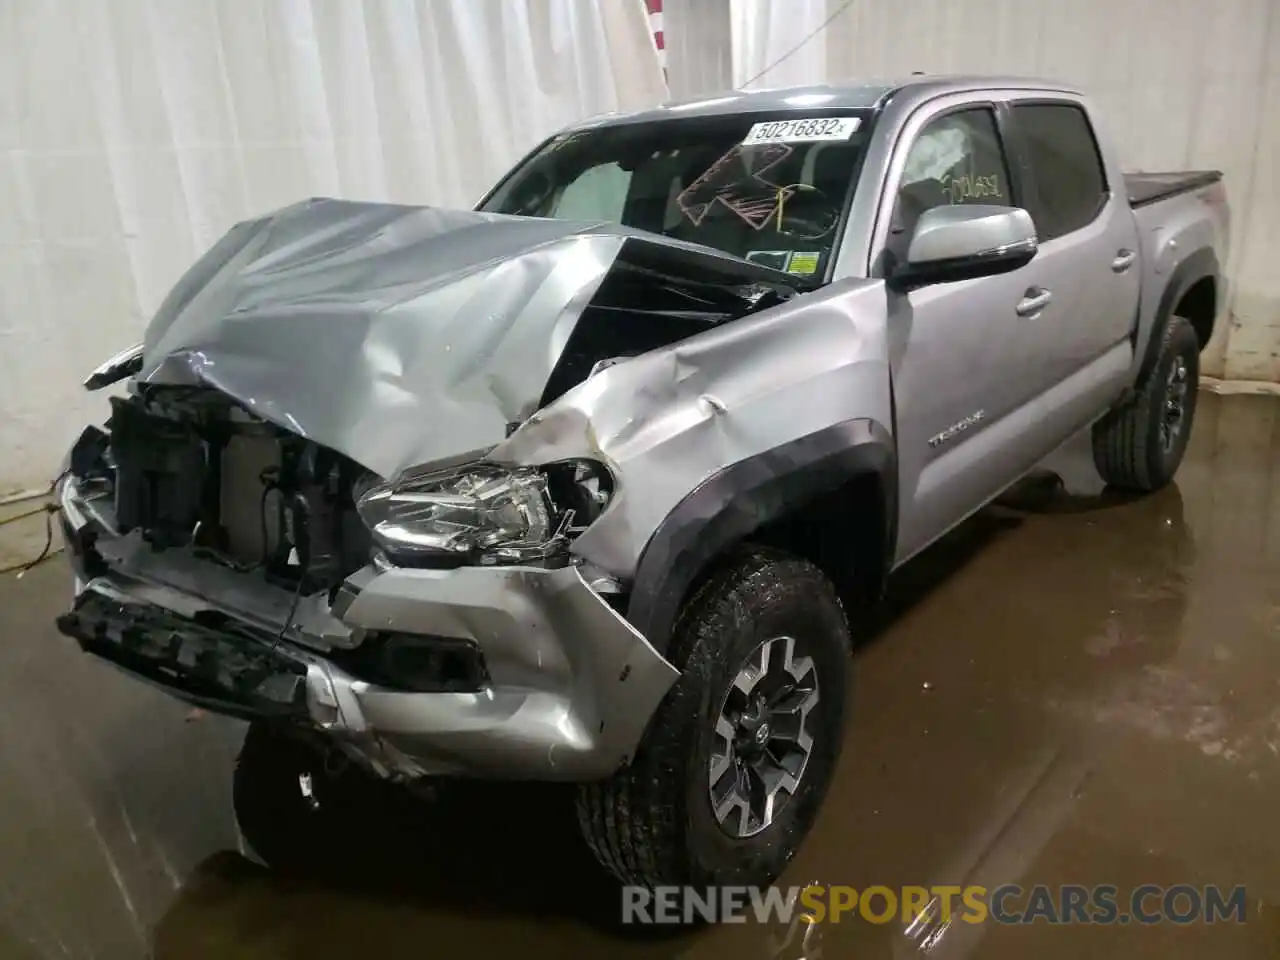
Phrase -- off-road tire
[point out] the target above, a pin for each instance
(652, 823)
(1127, 448)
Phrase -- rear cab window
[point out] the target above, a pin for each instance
(1068, 187)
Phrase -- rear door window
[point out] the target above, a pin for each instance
(1071, 185)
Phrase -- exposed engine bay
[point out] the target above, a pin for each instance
(219, 556)
(188, 468)
(192, 469)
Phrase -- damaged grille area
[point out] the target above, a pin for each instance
(203, 665)
(191, 469)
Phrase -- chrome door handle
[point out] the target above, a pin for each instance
(1123, 261)
(1033, 301)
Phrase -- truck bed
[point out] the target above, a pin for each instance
(1145, 188)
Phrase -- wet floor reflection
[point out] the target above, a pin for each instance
(1073, 688)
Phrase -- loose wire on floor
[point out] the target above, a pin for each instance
(23, 516)
(48, 509)
(46, 551)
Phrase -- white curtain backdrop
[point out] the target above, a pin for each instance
(765, 30)
(699, 42)
(134, 133)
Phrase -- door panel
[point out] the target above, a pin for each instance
(963, 355)
(1093, 307)
(1088, 238)
(965, 362)
(971, 472)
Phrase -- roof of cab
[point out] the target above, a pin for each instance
(856, 95)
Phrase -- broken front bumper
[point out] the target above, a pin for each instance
(568, 685)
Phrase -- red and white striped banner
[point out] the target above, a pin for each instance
(655, 24)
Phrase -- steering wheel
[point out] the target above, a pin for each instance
(807, 214)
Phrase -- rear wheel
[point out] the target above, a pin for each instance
(1140, 446)
(731, 773)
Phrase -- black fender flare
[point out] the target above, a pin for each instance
(1196, 267)
(741, 498)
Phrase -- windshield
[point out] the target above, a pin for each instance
(768, 189)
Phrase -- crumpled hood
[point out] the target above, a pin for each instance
(397, 335)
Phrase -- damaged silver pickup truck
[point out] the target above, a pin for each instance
(588, 484)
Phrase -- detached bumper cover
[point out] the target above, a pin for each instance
(571, 684)
(219, 671)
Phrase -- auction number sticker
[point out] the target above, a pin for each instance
(802, 130)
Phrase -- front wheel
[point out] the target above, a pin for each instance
(733, 768)
(1140, 446)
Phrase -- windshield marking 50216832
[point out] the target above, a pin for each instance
(802, 130)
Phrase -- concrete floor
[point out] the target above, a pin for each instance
(1073, 691)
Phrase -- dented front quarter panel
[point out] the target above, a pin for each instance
(669, 420)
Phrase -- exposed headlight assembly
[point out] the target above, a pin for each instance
(484, 513)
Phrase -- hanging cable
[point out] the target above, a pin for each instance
(293, 609)
(786, 56)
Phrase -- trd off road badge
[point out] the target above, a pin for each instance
(956, 429)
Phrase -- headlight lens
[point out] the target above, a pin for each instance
(483, 513)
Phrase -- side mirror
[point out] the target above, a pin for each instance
(961, 242)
